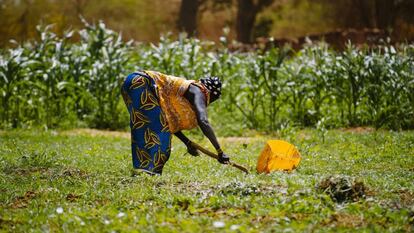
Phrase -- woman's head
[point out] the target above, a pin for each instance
(213, 84)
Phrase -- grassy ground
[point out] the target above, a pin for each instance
(75, 181)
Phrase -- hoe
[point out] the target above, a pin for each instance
(277, 155)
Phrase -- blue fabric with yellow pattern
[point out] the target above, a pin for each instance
(150, 136)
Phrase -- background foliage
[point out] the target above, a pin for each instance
(52, 82)
(145, 20)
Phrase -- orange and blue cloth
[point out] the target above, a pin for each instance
(150, 135)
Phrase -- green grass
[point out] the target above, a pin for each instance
(89, 178)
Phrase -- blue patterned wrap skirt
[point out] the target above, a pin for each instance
(150, 135)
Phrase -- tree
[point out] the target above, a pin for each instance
(79, 6)
(247, 11)
(381, 14)
(187, 20)
(377, 13)
(191, 11)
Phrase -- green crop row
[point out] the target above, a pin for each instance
(54, 82)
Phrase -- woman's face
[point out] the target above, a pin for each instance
(214, 98)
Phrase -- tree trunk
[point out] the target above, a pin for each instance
(79, 6)
(385, 13)
(188, 16)
(367, 14)
(246, 16)
(378, 13)
(24, 21)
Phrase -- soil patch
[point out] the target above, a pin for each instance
(122, 134)
(74, 172)
(359, 130)
(346, 220)
(406, 197)
(96, 133)
(240, 140)
(343, 189)
(72, 197)
(23, 201)
(8, 224)
(28, 171)
(242, 189)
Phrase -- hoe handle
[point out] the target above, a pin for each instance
(212, 155)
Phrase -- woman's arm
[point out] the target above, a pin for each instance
(182, 137)
(198, 101)
(193, 151)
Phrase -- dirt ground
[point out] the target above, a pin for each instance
(95, 133)
(123, 134)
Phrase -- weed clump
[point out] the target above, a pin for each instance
(240, 189)
(74, 172)
(244, 189)
(343, 189)
(23, 201)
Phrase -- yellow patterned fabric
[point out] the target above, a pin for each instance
(177, 109)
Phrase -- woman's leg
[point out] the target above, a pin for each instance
(150, 137)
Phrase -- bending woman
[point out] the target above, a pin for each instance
(161, 105)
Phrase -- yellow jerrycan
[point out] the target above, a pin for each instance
(278, 155)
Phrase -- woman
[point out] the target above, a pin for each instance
(160, 105)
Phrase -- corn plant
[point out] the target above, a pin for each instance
(109, 57)
(386, 104)
(270, 66)
(247, 99)
(350, 82)
(307, 82)
(13, 70)
(321, 75)
(55, 82)
(407, 75)
(296, 90)
(50, 71)
(181, 58)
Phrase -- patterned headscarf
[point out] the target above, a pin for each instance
(213, 84)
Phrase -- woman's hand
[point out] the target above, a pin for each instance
(223, 158)
(191, 149)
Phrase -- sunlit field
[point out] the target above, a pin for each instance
(82, 181)
(340, 89)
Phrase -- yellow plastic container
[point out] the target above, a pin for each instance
(278, 155)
